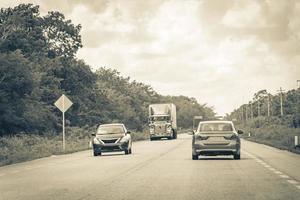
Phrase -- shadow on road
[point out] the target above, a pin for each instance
(221, 158)
(112, 154)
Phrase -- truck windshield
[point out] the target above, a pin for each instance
(114, 129)
(160, 118)
(213, 127)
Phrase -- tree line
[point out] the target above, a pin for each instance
(38, 64)
(282, 108)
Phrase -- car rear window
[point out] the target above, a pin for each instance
(212, 127)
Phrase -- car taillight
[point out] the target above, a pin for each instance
(231, 137)
(201, 137)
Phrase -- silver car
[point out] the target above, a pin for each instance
(216, 138)
(111, 137)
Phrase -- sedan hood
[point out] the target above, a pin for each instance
(110, 136)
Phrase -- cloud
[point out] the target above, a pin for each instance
(220, 52)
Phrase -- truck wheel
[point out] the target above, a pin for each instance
(195, 157)
(174, 134)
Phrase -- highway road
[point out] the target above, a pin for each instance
(156, 170)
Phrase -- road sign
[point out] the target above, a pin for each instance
(198, 117)
(63, 104)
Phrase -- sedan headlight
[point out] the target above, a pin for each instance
(123, 139)
(96, 141)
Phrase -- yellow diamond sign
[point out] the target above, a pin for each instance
(63, 103)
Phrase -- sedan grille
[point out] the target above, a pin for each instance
(109, 141)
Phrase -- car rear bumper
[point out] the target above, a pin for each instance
(110, 147)
(216, 149)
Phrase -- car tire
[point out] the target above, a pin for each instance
(97, 153)
(195, 157)
(127, 151)
(130, 151)
(237, 156)
(174, 135)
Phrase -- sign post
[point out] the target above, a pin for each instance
(63, 104)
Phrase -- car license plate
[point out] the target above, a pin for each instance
(216, 138)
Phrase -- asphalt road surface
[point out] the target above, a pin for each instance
(157, 170)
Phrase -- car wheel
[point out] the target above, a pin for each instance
(95, 153)
(174, 135)
(237, 156)
(130, 151)
(127, 151)
(195, 157)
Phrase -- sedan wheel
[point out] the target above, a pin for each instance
(195, 157)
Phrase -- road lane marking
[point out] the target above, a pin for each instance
(272, 169)
(292, 182)
(284, 176)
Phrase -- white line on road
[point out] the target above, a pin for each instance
(292, 182)
(284, 176)
(280, 174)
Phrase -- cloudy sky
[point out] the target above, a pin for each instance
(220, 52)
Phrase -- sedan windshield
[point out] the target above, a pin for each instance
(160, 118)
(212, 127)
(114, 129)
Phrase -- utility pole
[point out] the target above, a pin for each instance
(281, 99)
(251, 109)
(268, 105)
(258, 108)
(246, 112)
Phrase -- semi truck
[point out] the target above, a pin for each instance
(162, 121)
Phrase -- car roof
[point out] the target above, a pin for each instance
(216, 121)
(115, 124)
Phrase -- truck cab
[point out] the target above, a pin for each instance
(162, 121)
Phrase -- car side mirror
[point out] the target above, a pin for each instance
(93, 134)
(191, 132)
(240, 132)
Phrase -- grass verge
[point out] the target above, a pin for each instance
(277, 136)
